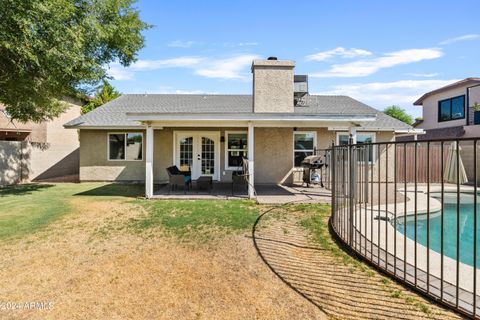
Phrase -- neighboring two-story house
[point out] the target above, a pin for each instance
(448, 111)
(137, 136)
(39, 151)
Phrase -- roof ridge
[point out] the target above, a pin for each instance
(188, 94)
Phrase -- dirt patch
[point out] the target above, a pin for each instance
(89, 266)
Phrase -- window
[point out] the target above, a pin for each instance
(125, 146)
(343, 138)
(235, 150)
(304, 144)
(451, 109)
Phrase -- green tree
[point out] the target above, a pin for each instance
(106, 92)
(398, 113)
(52, 49)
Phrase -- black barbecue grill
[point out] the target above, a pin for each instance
(310, 166)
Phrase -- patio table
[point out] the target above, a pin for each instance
(205, 183)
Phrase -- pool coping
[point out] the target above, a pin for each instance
(388, 233)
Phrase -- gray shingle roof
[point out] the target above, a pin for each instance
(386, 122)
(114, 112)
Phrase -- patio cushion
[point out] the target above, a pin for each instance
(173, 170)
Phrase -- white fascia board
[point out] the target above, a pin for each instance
(248, 117)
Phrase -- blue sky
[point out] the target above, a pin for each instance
(379, 52)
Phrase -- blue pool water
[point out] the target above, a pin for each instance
(450, 228)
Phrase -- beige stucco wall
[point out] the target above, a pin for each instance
(59, 156)
(11, 155)
(472, 131)
(273, 86)
(94, 163)
(473, 97)
(430, 110)
(273, 155)
(30, 131)
(56, 156)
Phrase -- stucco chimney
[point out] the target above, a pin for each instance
(273, 85)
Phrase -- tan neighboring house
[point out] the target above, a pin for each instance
(448, 111)
(39, 151)
(137, 136)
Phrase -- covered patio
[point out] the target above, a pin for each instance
(269, 150)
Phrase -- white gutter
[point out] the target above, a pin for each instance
(80, 126)
(247, 117)
(399, 131)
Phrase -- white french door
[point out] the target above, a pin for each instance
(199, 151)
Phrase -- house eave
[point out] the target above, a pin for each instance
(104, 127)
(251, 117)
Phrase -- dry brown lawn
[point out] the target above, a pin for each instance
(90, 270)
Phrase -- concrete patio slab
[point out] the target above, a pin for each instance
(265, 194)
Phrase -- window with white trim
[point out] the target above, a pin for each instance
(125, 146)
(304, 144)
(235, 149)
(343, 139)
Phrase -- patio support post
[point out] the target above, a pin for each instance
(251, 188)
(149, 162)
(353, 134)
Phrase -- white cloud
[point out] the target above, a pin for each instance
(383, 94)
(118, 72)
(423, 75)
(171, 90)
(239, 44)
(193, 92)
(180, 62)
(364, 68)
(466, 37)
(230, 68)
(341, 52)
(181, 44)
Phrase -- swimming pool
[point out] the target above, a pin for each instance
(450, 227)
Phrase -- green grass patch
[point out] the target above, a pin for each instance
(25, 209)
(201, 219)
(316, 223)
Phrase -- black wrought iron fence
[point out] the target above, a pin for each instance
(410, 209)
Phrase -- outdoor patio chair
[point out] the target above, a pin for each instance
(238, 178)
(179, 178)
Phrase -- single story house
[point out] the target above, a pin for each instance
(137, 136)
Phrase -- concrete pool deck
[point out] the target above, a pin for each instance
(374, 232)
